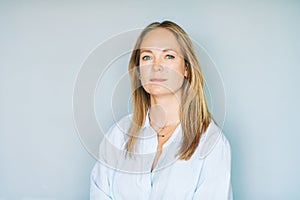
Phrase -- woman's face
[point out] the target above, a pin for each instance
(162, 66)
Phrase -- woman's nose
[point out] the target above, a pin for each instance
(157, 64)
(157, 67)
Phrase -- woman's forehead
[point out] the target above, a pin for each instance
(160, 39)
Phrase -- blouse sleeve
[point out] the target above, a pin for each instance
(215, 180)
(102, 172)
(99, 183)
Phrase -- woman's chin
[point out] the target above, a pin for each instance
(159, 91)
(156, 90)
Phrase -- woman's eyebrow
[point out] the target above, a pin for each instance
(146, 50)
(167, 50)
(163, 50)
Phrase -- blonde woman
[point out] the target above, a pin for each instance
(170, 147)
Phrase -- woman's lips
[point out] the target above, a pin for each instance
(158, 79)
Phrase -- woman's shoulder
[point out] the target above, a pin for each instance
(118, 132)
(213, 138)
(114, 141)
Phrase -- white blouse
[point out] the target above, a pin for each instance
(119, 176)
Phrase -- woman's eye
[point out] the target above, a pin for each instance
(170, 57)
(146, 58)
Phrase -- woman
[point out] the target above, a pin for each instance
(170, 147)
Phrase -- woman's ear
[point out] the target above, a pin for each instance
(186, 73)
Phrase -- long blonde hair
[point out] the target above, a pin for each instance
(194, 114)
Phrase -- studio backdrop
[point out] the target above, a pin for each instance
(64, 82)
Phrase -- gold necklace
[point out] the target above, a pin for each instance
(170, 129)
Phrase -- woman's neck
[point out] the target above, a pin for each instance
(164, 110)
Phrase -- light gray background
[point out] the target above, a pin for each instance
(43, 44)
